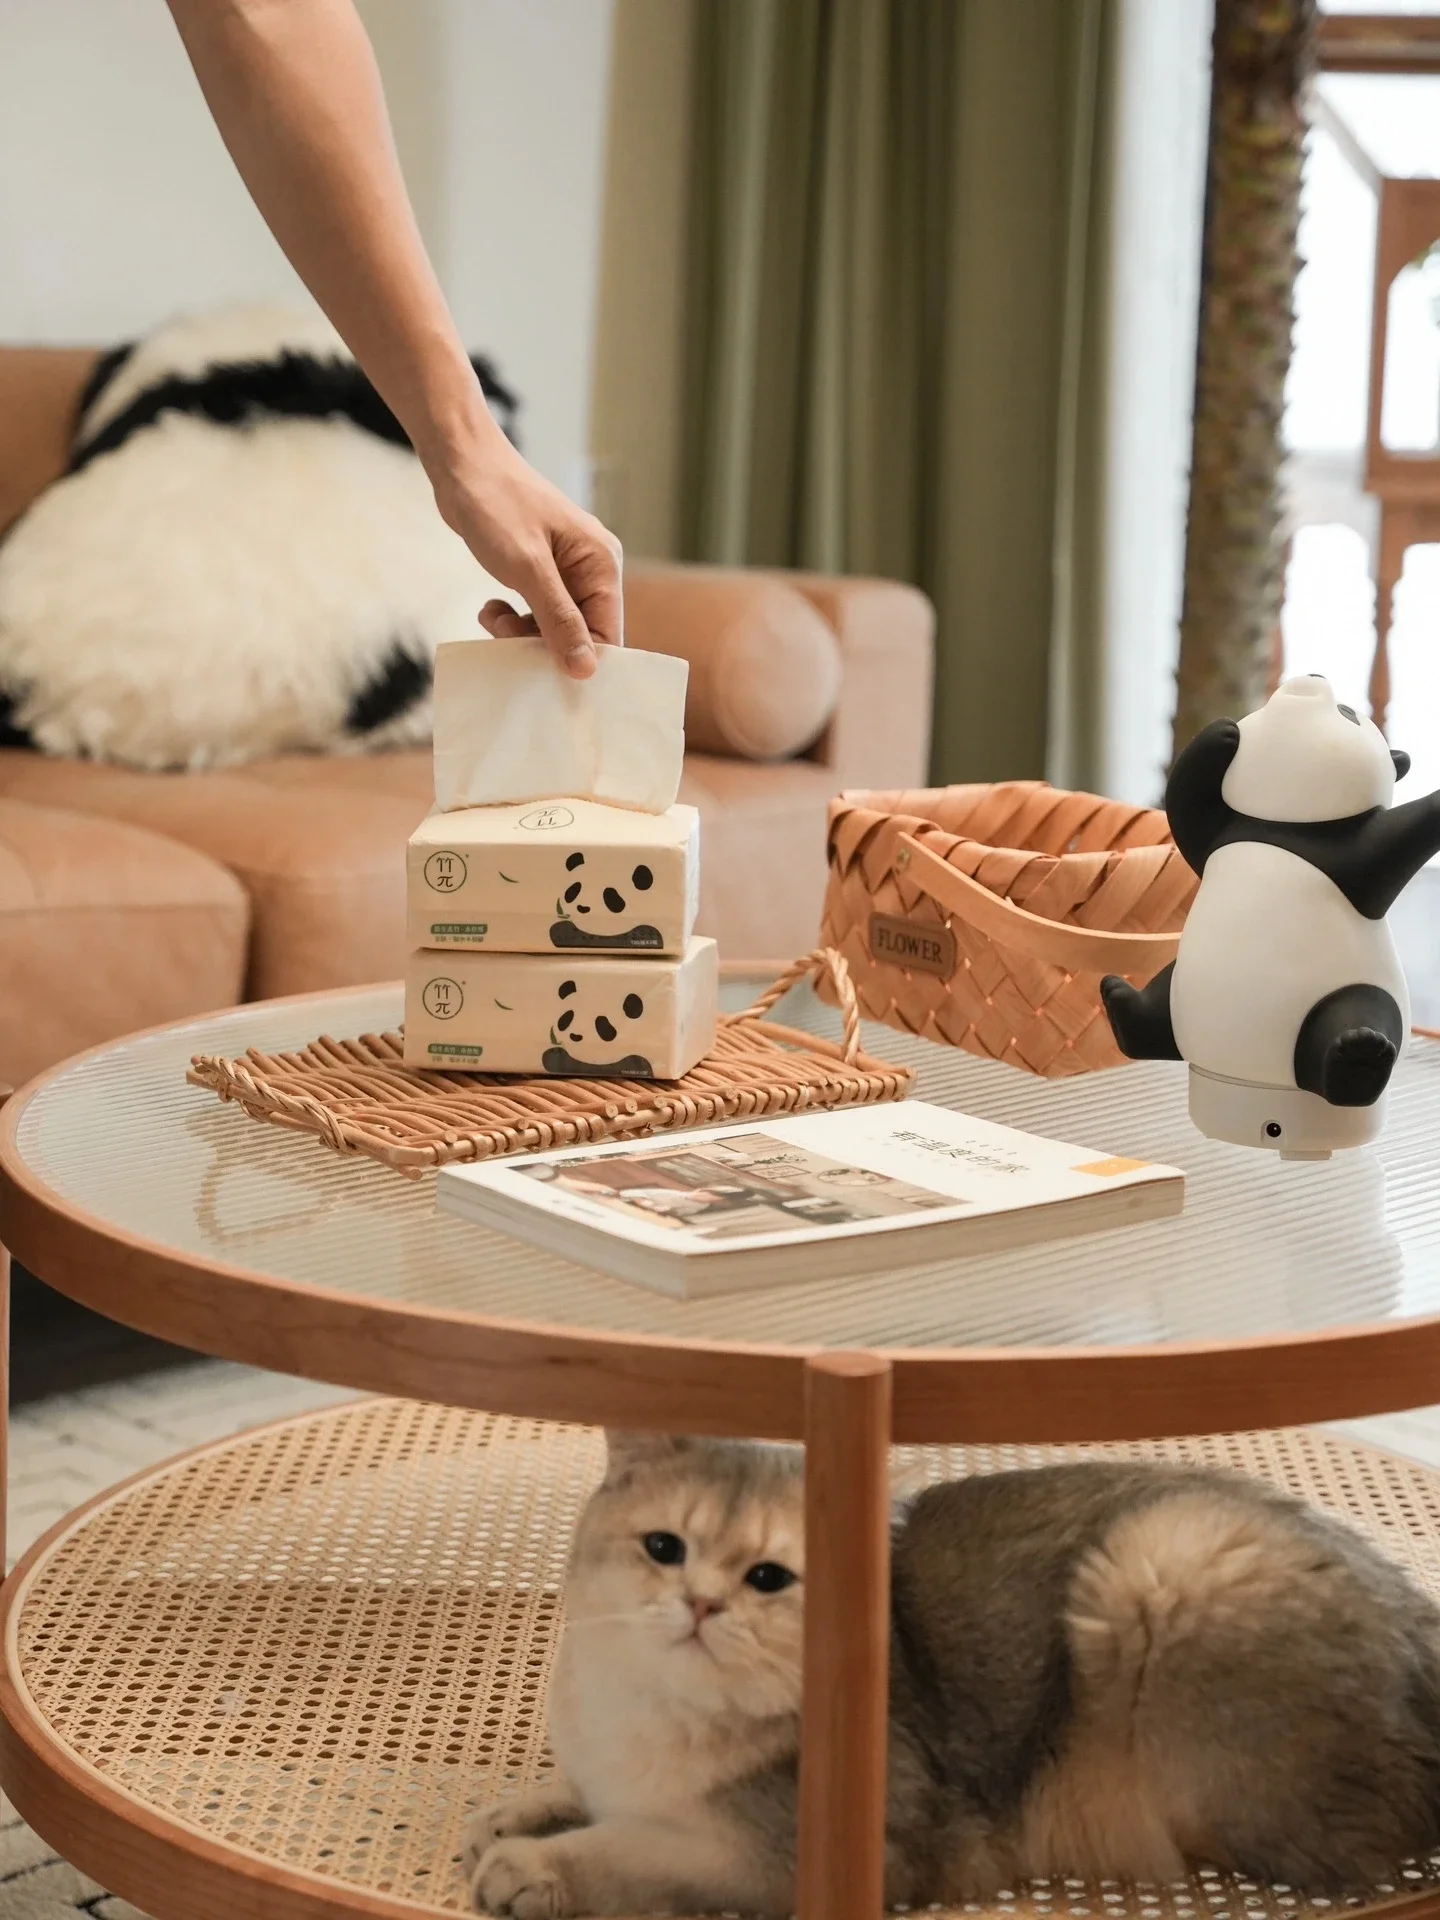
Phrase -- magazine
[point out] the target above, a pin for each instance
(762, 1203)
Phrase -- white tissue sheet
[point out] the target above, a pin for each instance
(511, 726)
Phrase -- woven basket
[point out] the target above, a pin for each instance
(986, 916)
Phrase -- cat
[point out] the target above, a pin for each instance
(1097, 1669)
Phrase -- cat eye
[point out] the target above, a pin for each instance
(770, 1577)
(665, 1549)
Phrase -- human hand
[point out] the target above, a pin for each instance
(560, 558)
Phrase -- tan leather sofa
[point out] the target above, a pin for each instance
(127, 898)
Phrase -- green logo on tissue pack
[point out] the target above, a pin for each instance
(547, 819)
(445, 872)
(442, 999)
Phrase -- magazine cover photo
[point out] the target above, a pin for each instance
(746, 1184)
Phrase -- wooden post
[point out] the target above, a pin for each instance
(1396, 534)
(5, 1093)
(847, 1637)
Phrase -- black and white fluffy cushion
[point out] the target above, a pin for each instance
(244, 558)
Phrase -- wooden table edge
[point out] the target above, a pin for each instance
(1040, 1394)
(543, 1371)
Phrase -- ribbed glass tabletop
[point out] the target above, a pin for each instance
(1263, 1247)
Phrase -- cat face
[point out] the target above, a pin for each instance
(688, 1573)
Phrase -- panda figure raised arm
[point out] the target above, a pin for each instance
(1286, 998)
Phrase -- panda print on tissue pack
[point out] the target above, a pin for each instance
(1286, 998)
(590, 1032)
(598, 906)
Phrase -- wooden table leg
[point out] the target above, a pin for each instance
(5, 1093)
(4, 1400)
(847, 1637)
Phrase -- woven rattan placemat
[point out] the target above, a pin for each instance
(358, 1096)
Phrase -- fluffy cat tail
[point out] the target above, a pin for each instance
(1268, 1687)
(1195, 1567)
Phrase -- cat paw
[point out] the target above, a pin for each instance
(540, 1812)
(515, 1878)
(502, 1820)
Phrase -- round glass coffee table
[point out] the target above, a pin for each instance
(279, 1671)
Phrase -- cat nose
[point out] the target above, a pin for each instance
(702, 1609)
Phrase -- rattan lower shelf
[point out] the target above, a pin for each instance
(274, 1676)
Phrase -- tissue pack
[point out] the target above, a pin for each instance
(568, 876)
(601, 1017)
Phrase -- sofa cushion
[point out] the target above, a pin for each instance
(105, 928)
(405, 776)
(319, 846)
(762, 837)
(762, 853)
(764, 665)
(324, 867)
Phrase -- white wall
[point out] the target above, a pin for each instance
(528, 85)
(119, 205)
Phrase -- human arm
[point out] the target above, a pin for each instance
(296, 94)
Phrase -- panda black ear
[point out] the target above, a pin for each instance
(1402, 762)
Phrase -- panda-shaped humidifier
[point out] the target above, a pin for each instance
(1287, 997)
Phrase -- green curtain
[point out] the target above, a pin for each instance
(892, 315)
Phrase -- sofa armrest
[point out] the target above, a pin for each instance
(835, 668)
(765, 666)
(880, 730)
(40, 389)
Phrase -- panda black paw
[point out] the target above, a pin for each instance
(1140, 1016)
(1122, 1009)
(1119, 997)
(1357, 1067)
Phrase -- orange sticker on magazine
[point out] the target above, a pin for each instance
(1108, 1169)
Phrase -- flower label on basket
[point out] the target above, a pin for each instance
(601, 1016)
(566, 875)
(918, 946)
(817, 1197)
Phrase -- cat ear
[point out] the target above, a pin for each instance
(627, 1453)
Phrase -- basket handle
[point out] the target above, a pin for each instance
(1076, 949)
(813, 966)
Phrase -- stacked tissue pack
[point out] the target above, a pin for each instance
(551, 894)
(558, 875)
